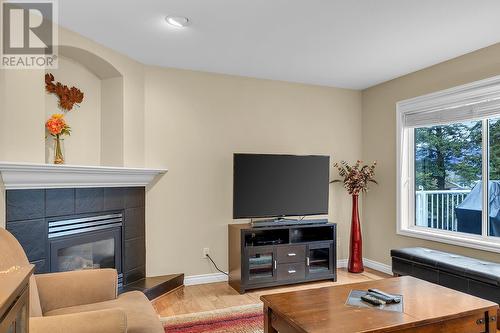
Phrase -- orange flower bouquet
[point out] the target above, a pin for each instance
(57, 127)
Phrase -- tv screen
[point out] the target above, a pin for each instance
(267, 185)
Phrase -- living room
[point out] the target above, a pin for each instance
(180, 141)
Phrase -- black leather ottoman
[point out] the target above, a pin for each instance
(476, 277)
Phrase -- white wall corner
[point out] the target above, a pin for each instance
(378, 266)
(341, 263)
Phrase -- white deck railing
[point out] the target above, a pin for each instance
(436, 209)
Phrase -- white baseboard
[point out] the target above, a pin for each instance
(204, 278)
(378, 266)
(341, 263)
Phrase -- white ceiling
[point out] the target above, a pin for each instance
(342, 43)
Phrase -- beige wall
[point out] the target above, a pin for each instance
(379, 143)
(24, 107)
(112, 122)
(2, 144)
(83, 146)
(196, 121)
(192, 122)
(22, 130)
(3, 113)
(133, 94)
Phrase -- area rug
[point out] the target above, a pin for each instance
(237, 319)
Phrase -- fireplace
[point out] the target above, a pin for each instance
(81, 228)
(69, 217)
(89, 242)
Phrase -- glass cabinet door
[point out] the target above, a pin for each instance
(261, 264)
(319, 259)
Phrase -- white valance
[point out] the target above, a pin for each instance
(473, 101)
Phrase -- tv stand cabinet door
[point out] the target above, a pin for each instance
(259, 265)
(320, 260)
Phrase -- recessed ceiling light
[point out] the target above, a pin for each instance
(177, 21)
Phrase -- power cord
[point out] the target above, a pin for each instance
(215, 265)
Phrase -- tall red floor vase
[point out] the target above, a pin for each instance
(355, 264)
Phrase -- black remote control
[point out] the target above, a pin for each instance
(393, 298)
(381, 297)
(372, 300)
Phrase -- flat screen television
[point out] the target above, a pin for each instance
(266, 185)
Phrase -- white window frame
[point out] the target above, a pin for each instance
(405, 164)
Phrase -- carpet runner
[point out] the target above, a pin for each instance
(237, 319)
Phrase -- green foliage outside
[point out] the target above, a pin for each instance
(450, 156)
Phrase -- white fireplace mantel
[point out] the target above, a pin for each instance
(36, 176)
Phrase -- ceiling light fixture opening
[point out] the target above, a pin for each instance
(177, 21)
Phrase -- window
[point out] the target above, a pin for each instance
(494, 174)
(449, 166)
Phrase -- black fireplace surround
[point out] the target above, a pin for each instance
(81, 228)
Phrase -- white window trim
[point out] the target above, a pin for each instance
(405, 164)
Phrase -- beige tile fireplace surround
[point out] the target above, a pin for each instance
(192, 122)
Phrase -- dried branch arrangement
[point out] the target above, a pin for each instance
(68, 97)
(356, 177)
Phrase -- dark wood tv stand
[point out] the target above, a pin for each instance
(274, 256)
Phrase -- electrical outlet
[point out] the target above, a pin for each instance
(205, 252)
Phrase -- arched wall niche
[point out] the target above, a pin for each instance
(97, 125)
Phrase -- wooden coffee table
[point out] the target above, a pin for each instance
(426, 308)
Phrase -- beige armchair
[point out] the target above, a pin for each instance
(80, 301)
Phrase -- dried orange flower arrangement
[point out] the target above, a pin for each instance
(68, 97)
(56, 125)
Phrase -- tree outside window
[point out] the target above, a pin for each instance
(448, 174)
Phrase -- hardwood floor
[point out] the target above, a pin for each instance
(213, 296)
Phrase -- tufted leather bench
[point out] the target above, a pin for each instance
(476, 277)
